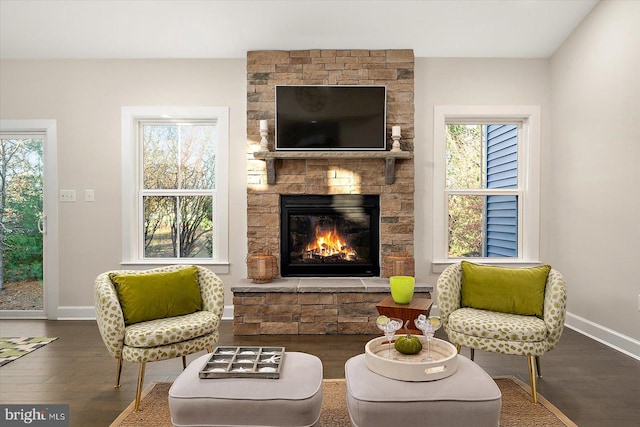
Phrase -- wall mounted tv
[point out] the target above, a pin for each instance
(326, 118)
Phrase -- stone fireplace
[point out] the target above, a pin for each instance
(326, 173)
(389, 176)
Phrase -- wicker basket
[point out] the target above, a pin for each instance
(262, 267)
(398, 264)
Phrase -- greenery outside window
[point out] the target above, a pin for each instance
(175, 192)
(486, 182)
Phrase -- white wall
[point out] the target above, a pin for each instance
(470, 82)
(85, 97)
(595, 157)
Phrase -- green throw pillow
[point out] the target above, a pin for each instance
(158, 295)
(507, 290)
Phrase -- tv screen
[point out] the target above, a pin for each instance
(331, 117)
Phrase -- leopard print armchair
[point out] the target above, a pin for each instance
(503, 332)
(158, 339)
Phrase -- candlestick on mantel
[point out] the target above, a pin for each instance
(395, 135)
(264, 132)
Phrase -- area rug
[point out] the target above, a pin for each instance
(16, 347)
(517, 408)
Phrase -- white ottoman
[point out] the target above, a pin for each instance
(469, 397)
(295, 399)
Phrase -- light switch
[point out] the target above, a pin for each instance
(67, 196)
(89, 196)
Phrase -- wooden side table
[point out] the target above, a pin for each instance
(409, 312)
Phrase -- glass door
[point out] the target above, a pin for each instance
(22, 223)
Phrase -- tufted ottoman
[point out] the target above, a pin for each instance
(469, 397)
(295, 399)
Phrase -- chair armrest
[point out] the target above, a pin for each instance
(212, 291)
(109, 314)
(555, 306)
(448, 292)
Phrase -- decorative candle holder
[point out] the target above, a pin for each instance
(262, 267)
(264, 132)
(398, 264)
(395, 135)
(402, 288)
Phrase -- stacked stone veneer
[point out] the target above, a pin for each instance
(359, 175)
(334, 306)
(305, 313)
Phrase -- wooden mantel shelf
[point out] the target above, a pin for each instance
(389, 156)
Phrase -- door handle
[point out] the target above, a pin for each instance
(42, 224)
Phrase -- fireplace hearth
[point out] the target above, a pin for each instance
(328, 236)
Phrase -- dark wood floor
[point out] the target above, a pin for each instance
(591, 383)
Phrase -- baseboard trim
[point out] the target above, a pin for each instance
(604, 335)
(227, 313)
(76, 313)
(22, 314)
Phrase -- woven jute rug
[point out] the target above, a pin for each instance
(14, 347)
(517, 408)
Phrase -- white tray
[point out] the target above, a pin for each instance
(414, 367)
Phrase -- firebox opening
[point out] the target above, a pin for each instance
(330, 235)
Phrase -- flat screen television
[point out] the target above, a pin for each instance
(326, 118)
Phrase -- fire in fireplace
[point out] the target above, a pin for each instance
(330, 235)
(329, 244)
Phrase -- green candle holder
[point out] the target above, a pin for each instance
(402, 288)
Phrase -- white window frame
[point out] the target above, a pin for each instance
(528, 120)
(132, 249)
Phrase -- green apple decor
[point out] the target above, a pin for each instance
(402, 288)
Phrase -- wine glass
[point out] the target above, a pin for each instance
(389, 326)
(428, 326)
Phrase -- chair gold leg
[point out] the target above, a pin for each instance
(532, 378)
(118, 372)
(458, 348)
(140, 383)
(184, 362)
(473, 353)
(538, 370)
(209, 349)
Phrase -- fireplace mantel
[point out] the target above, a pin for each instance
(389, 156)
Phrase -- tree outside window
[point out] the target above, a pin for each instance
(178, 188)
(21, 161)
(482, 189)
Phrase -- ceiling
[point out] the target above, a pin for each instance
(228, 29)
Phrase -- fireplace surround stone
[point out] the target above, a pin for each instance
(331, 175)
(269, 177)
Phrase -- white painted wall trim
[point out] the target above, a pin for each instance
(131, 209)
(76, 312)
(227, 314)
(22, 314)
(528, 119)
(604, 335)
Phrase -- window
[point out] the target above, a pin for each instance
(175, 185)
(486, 182)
